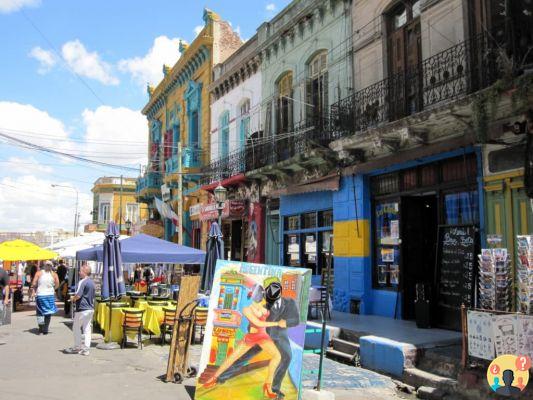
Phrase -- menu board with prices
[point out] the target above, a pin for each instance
(524, 274)
(495, 280)
(455, 272)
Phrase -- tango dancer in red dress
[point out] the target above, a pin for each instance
(256, 313)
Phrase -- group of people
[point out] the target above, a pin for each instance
(49, 282)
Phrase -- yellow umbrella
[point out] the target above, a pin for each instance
(20, 250)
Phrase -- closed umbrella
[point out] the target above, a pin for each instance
(215, 251)
(113, 279)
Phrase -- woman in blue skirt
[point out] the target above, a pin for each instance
(45, 283)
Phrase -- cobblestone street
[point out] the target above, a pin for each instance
(37, 368)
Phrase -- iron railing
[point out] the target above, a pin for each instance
(151, 180)
(190, 158)
(453, 73)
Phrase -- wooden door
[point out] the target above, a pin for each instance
(413, 73)
(396, 76)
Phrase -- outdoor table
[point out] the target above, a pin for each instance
(142, 304)
(153, 318)
(114, 333)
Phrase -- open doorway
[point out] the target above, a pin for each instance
(419, 237)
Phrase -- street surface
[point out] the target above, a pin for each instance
(34, 367)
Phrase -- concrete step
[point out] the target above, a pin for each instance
(351, 336)
(345, 346)
(444, 361)
(340, 356)
(417, 378)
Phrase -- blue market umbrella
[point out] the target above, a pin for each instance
(112, 276)
(215, 251)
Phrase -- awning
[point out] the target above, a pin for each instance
(326, 183)
(234, 180)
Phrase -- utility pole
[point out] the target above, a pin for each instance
(120, 209)
(180, 195)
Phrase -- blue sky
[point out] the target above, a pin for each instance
(73, 77)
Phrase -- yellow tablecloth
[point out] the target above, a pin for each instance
(153, 318)
(143, 304)
(113, 334)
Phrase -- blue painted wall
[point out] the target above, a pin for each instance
(300, 203)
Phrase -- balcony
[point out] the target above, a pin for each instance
(453, 74)
(190, 159)
(275, 155)
(148, 186)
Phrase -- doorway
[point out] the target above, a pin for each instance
(419, 238)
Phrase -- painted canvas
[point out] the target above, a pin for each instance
(254, 338)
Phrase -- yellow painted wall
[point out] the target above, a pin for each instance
(346, 240)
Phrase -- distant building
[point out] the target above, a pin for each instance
(114, 200)
(42, 239)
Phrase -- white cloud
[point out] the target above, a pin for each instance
(149, 68)
(107, 124)
(9, 6)
(270, 7)
(27, 166)
(30, 124)
(87, 64)
(41, 208)
(46, 59)
(198, 29)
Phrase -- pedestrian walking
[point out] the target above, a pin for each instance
(83, 317)
(61, 271)
(44, 285)
(4, 292)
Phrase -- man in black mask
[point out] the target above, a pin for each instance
(281, 308)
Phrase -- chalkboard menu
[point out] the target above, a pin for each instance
(455, 272)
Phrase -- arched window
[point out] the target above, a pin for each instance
(317, 88)
(284, 111)
(223, 128)
(244, 122)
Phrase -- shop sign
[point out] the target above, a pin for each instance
(195, 210)
(232, 209)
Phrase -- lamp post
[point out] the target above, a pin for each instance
(221, 195)
(128, 227)
(76, 213)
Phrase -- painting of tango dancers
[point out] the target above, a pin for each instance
(254, 338)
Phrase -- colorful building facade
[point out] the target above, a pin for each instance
(178, 116)
(114, 199)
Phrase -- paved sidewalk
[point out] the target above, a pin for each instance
(33, 367)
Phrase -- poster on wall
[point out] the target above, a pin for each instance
(505, 329)
(525, 335)
(255, 333)
(480, 335)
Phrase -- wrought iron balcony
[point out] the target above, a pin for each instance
(456, 72)
(151, 180)
(270, 150)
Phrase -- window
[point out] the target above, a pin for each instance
(244, 122)
(104, 213)
(306, 240)
(317, 88)
(176, 138)
(132, 212)
(461, 208)
(193, 135)
(223, 127)
(284, 104)
(387, 227)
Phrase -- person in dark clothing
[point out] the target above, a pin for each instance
(4, 291)
(61, 271)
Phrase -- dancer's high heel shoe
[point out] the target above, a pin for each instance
(210, 382)
(267, 392)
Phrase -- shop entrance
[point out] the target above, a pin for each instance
(419, 237)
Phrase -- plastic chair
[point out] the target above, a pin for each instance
(200, 320)
(168, 323)
(133, 322)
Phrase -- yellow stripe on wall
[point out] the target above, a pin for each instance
(497, 219)
(523, 218)
(351, 238)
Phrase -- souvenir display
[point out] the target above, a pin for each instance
(524, 274)
(494, 280)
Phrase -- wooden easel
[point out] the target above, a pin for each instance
(178, 357)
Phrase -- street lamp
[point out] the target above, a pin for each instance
(76, 214)
(221, 195)
(128, 226)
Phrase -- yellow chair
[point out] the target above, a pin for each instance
(133, 322)
(168, 323)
